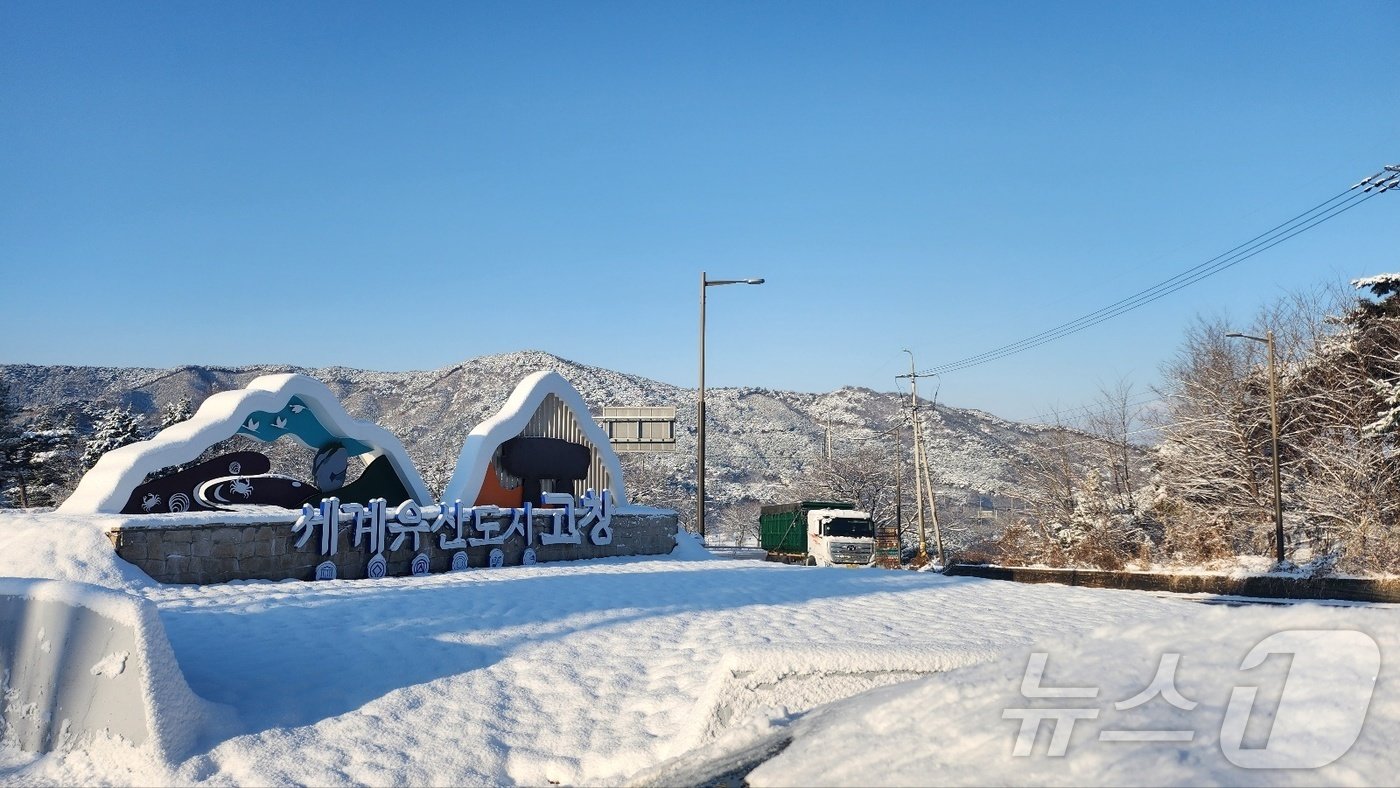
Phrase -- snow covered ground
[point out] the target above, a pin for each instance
(656, 670)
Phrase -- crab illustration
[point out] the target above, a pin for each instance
(150, 501)
(241, 487)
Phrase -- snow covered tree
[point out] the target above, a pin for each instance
(737, 524)
(11, 460)
(1211, 462)
(437, 470)
(1082, 505)
(7, 406)
(650, 482)
(1388, 420)
(176, 411)
(1370, 323)
(113, 429)
(43, 463)
(1347, 392)
(1338, 360)
(36, 459)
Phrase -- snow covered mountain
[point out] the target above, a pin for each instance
(761, 444)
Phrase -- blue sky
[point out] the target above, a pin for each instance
(403, 186)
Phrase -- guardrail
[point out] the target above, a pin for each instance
(737, 552)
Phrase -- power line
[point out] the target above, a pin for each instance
(1329, 209)
(1139, 402)
(1148, 296)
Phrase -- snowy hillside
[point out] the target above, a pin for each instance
(761, 443)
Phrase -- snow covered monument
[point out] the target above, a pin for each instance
(537, 482)
(172, 472)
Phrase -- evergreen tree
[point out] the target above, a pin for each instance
(42, 464)
(114, 429)
(176, 412)
(1372, 325)
(10, 461)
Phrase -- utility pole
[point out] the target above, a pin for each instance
(922, 479)
(932, 497)
(921, 557)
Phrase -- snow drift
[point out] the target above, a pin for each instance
(79, 662)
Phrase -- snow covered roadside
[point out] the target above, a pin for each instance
(594, 671)
(955, 729)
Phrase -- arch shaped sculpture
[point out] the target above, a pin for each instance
(541, 420)
(271, 407)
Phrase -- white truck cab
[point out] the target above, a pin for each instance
(839, 537)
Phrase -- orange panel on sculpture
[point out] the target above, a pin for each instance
(493, 493)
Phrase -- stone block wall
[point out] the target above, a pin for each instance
(218, 553)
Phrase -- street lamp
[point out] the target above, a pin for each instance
(1268, 339)
(700, 402)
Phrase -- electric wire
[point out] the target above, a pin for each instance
(1218, 262)
(1325, 211)
(1132, 303)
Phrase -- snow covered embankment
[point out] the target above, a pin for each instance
(80, 663)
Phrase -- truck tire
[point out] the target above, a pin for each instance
(811, 561)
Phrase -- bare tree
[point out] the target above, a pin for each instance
(1213, 425)
(862, 474)
(650, 480)
(737, 524)
(1082, 503)
(1051, 478)
(1116, 419)
(437, 469)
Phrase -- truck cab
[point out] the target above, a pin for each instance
(839, 536)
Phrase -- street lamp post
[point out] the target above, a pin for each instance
(1268, 339)
(700, 402)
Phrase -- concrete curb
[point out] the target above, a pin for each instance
(1263, 586)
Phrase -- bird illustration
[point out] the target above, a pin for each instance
(279, 423)
(251, 426)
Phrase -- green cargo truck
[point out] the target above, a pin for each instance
(817, 533)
